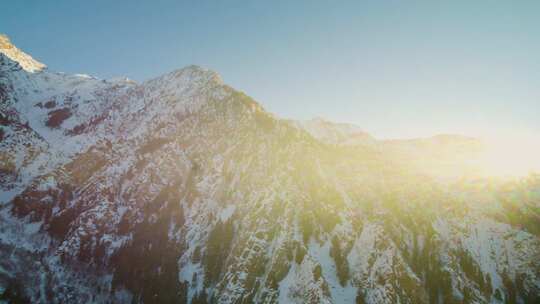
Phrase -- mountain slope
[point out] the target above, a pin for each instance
(183, 190)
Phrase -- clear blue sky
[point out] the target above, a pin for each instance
(395, 68)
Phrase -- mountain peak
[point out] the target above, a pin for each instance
(191, 75)
(199, 72)
(26, 61)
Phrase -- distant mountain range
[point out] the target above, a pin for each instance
(181, 189)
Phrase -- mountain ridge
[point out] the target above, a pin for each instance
(183, 190)
(7, 48)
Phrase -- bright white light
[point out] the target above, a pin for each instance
(512, 156)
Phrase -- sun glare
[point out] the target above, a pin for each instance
(511, 157)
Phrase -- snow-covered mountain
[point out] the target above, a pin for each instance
(182, 189)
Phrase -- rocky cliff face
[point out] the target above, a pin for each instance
(183, 190)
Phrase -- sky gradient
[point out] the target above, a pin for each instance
(395, 68)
